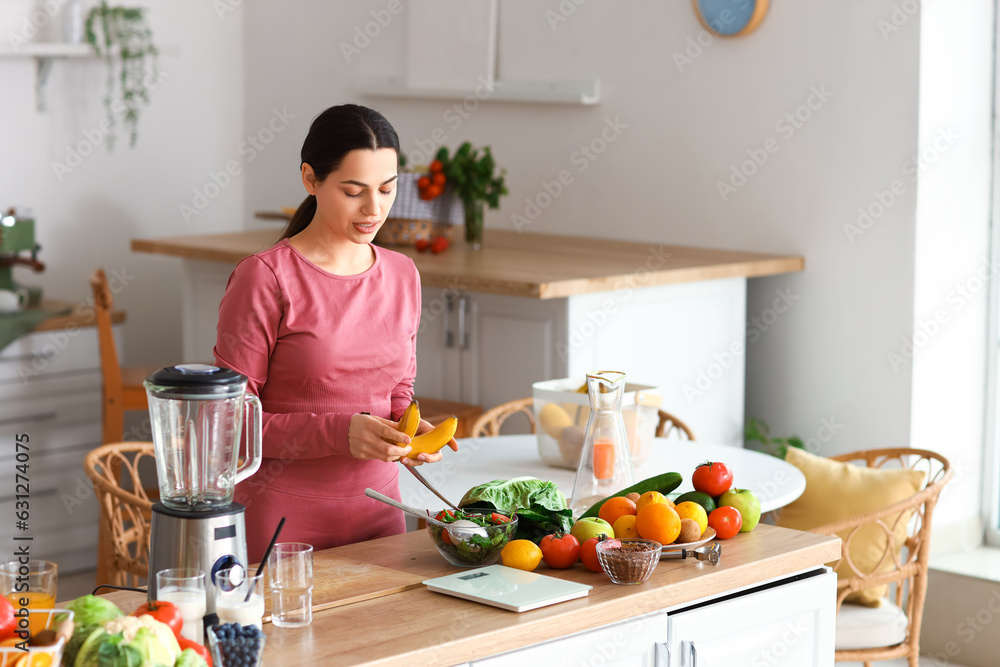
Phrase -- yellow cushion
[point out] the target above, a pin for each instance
(836, 491)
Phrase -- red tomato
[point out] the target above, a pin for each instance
(164, 612)
(588, 555)
(198, 648)
(560, 552)
(439, 244)
(432, 191)
(423, 182)
(422, 244)
(436, 166)
(712, 478)
(726, 521)
(499, 518)
(438, 178)
(8, 624)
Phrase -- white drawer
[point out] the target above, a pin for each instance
(50, 352)
(45, 386)
(57, 422)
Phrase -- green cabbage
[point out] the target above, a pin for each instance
(540, 505)
(190, 658)
(89, 612)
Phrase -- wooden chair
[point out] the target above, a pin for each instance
(669, 424)
(909, 566)
(113, 469)
(122, 387)
(489, 423)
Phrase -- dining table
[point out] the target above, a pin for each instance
(483, 459)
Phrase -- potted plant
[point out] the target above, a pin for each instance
(472, 173)
(757, 430)
(122, 38)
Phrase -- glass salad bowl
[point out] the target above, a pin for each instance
(474, 538)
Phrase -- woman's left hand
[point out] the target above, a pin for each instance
(421, 459)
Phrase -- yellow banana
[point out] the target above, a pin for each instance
(410, 420)
(430, 442)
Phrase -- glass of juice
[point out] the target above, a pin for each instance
(239, 596)
(31, 584)
(185, 588)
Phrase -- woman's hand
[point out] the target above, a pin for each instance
(424, 427)
(367, 435)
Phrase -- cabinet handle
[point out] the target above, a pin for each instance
(463, 328)
(449, 335)
(40, 417)
(661, 654)
(690, 654)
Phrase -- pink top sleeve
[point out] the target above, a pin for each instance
(319, 348)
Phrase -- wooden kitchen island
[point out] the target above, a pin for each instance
(530, 307)
(378, 613)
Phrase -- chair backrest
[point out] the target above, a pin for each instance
(114, 470)
(670, 424)
(490, 421)
(908, 570)
(112, 403)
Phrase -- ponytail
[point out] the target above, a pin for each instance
(302, 217)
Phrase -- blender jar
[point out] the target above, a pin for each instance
(197, 413)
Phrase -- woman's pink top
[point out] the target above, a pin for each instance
(319, 348)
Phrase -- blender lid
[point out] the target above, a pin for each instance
(196, 379)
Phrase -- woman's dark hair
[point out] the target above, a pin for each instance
(332, 135)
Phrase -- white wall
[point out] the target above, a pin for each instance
(86, 220)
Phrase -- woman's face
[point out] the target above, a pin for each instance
(354, 200)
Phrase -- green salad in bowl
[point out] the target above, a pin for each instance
(473, 538)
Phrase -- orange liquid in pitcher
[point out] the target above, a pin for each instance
(604, 459)
(36, 600)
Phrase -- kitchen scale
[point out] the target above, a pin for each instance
(507, 588)
(197, 413)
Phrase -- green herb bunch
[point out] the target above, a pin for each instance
(757, 430)
(472, 174)
(122, 38)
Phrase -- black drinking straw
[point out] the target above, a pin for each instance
(267, 552)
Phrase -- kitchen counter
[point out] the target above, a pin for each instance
(409, 625)
(538, 266)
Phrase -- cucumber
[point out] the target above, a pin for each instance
(664, 483)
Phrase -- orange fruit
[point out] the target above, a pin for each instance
(625, 526)
(613, 508)
(650, 497)
(658, 521)
(521, 554)
(692, 510)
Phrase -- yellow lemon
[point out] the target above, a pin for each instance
(692, 510)
(521, 554)
(625, 526)
(650, 497)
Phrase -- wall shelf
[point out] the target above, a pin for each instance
(45, 54)
(583, 93)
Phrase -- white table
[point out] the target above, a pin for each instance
(480, 460)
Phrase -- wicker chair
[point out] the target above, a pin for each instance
(909, 566)
(125, 511)
(670, 424)
(490, 421)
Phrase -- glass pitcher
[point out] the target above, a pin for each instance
(197, 413)
(606, 460)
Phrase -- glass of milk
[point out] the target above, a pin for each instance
(185, 588)
(231, 601)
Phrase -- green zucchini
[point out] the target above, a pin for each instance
(664, 483)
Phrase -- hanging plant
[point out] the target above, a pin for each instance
(121, 37)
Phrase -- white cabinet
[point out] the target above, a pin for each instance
(50, 397)
(788, 622)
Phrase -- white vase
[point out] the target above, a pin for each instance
(71, 21)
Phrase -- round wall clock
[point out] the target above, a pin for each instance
(730, 18)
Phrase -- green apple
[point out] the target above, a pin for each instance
(584, 529)
(746, 503)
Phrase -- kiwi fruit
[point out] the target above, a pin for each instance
(690, 531)
(634, 497)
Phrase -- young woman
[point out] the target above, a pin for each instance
(324, 324)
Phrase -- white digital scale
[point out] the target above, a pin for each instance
(507, 588)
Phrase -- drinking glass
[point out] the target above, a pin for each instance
(291, 568)
(231, 603)
(30, 585)
(185, 588)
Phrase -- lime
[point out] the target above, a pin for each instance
(699, 497)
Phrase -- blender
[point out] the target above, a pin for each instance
(197, 413)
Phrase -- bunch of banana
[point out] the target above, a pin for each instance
(425, 443)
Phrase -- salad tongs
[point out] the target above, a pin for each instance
(710, 553)
(423, 481)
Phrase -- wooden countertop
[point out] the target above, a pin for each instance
(540, 266)
(409, 625)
